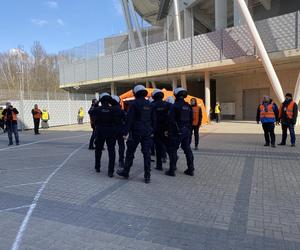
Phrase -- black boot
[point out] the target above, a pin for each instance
(97, 169)
(170, 173)
(110, 173)
(159, 168)
(189, 172)
(123, 173)
(147, 179)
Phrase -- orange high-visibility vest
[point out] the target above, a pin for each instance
(14, 116)
(37, 114)
(196, 112)
(267, 114)
(289, 110)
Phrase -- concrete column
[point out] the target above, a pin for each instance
(221, 14)
(174, 83)
(207, 93)
(129, 23)
(183, 81)
(237, 17)
(112, 88)
(177, 25)
(188, 23)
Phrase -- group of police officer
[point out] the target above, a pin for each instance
(167, 124)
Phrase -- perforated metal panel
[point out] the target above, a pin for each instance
(237, 42)
(157, 56)
(180, 53)
(69, 73)
(105, 66)
(60, 112)
(92, 69)
(207, 47)
(80, 71)
(298, 30)
(278, 33)
(120, 67)
(137, 61)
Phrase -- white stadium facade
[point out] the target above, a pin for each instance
(211, 47)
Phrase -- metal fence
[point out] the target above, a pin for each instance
(62, 107)
(278, 34)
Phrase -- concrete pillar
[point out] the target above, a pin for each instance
(188, 23)
(237, 17)
(221, 14)
(183, 81)
(174, 83)
(177, 17)
(207, 93)
(153, 84)
(112, 88)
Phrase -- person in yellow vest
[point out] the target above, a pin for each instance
(11, 121)
(288, 113)
(36, 114)
(197, 120)
(45, 118)
(1, 119)
(80, 115)
(267, 114)
(218, 112)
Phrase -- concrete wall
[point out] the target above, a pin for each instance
(230, 88)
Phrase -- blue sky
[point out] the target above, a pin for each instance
(58, 24)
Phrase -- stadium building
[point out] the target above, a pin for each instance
(203, 45)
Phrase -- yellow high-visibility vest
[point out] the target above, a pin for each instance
(45, 116)
(217, 109)
(81, 113)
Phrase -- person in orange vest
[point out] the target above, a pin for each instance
(288, 113)
(36, 114)
(267, 114)
(197, 120)
(11, 121)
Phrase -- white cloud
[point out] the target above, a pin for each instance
(60, 22)
(39, 22)
(52, 4)
(118, 7)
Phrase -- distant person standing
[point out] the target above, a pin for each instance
(218, 112)
(197, 120)
(288, 113)
(80, 115)
(36, 114)
(267, 114)
(95, 104)
(11, 121)
(45, 118)
(1, 119)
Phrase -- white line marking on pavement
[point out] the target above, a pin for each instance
(20, 169)
(41, 141)
(25, 184)
(14, 208)
(24, 224)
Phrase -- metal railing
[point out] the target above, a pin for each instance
(278, 34)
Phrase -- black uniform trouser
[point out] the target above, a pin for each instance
(195, 130)
(218, 117)
(132, 143)
(291, 128)
(110, 140)
(92, 139)
(269, 128)
(184, 140)
(121, 144)
(36, 122)
(160, 141)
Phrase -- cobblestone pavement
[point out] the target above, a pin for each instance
(243, 195)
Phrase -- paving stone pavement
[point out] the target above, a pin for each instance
(243, 195)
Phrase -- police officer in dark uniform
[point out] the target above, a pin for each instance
(161, 110)
(139, 125)
(95, 104)
(180, 129)
(120, 119)
(105, 123)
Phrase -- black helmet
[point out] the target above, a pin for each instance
(104, 97)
